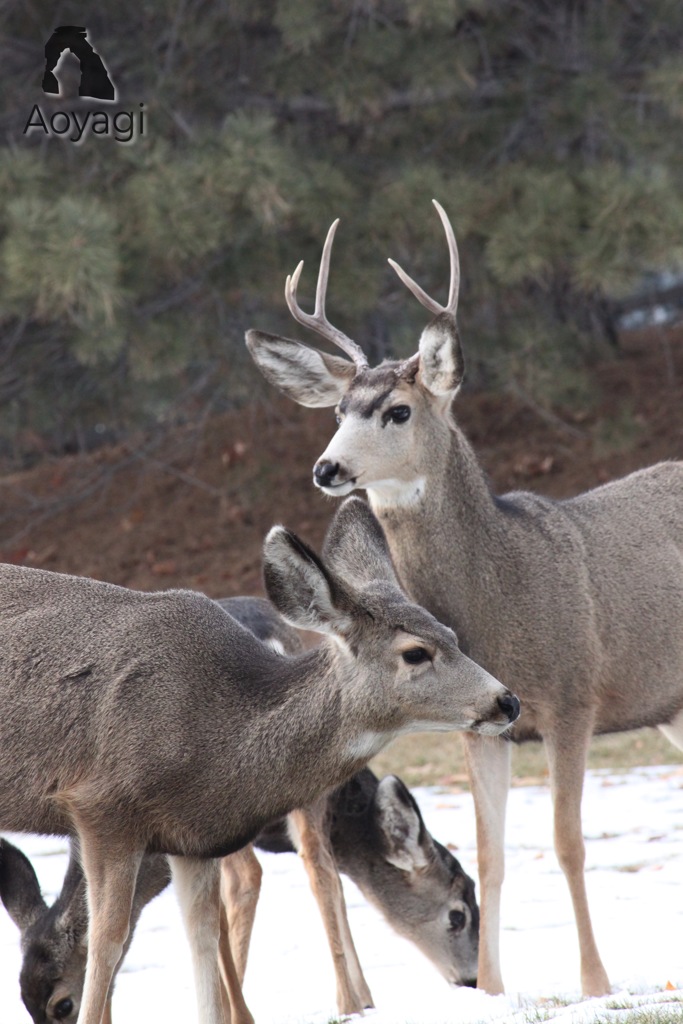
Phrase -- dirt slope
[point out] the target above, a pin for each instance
(192, 510)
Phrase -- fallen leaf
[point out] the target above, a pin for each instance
(531, 465)
(167, 568)
(41, 557)
(235, 453)
(17, 556)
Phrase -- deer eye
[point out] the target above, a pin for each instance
(399, 413)
(415, 656)
(63, 1008)
(456, 920)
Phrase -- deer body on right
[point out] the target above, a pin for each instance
(577, 605)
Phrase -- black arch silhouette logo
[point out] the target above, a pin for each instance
(95, 80)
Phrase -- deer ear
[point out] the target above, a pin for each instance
(407, 841)
(72, 900)
(299, 585)
(441, 365)
(312, 378)
(19, 887)
(356, 548)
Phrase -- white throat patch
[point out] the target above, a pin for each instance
(396, 493)
(365, 746)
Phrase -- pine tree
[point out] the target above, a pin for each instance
(549, 131)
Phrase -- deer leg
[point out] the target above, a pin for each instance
(674, 731)
(364, 995)
(353, 994)
(235, 1009)
(110, 879)
(238, 876)
(241, 875)
(567, 751)
(488, 765)
(197, 884)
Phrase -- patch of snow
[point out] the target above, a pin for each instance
(633, 824)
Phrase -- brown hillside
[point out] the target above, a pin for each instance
(192, 509)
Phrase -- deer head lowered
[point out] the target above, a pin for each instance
(576, 605)
(376, 835)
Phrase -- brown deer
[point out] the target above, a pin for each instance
(577, 605)
(371, 830)
(156, 723)
(377, 837)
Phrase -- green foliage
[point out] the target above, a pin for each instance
(634, 223)
(666, 83)
(535, 226)
(61, 259)
(302, 24)
(550, 132)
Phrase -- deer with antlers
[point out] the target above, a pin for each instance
(577, 605)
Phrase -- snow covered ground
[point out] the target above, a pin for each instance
(633, 825)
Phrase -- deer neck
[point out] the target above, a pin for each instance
(456, 525)
(318, 734)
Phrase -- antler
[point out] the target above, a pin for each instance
(318, 321)
(431, 304)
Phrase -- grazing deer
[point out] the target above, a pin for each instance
(577, 605)
(378, 839)
(156, 723)
(373, 831)
(53, 939)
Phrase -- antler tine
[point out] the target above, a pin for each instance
(419, 293)
(324, 272)
(426, 300)
(454, 288)
(318, 320)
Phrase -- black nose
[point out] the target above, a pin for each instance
(470, 982)
(509, 704)
(324, 472)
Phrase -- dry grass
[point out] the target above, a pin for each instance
(429, 759)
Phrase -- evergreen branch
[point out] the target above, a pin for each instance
(180, 293)
(396, 100)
